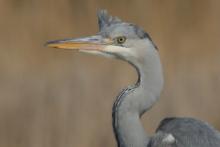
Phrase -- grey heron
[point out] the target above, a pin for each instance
(130, 43)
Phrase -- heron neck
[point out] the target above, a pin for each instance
(132, 102)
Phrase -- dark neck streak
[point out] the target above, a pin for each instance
(119, 101)
(134, 100)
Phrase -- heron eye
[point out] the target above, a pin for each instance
(120, 40)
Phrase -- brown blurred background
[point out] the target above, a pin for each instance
(60, 98)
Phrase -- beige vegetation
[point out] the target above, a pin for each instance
(59, 98)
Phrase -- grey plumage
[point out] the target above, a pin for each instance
(108, 23)
(105, 20)
(115, 107)
(130, 43)
(187, 132)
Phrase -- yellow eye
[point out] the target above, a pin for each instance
(121, 39)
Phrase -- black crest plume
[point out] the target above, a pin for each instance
(104, 19)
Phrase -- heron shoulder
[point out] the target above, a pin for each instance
(162, 139)
(188, 132)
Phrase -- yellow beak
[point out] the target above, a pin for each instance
(93, 43)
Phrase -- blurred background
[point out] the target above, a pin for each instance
(60, 98)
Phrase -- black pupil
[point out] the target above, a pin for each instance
(121, 40)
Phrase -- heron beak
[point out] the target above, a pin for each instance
(87, 44)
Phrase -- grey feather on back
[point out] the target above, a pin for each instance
(189, 132)
(104, 19)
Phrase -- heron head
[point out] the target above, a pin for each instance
(115, 39)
